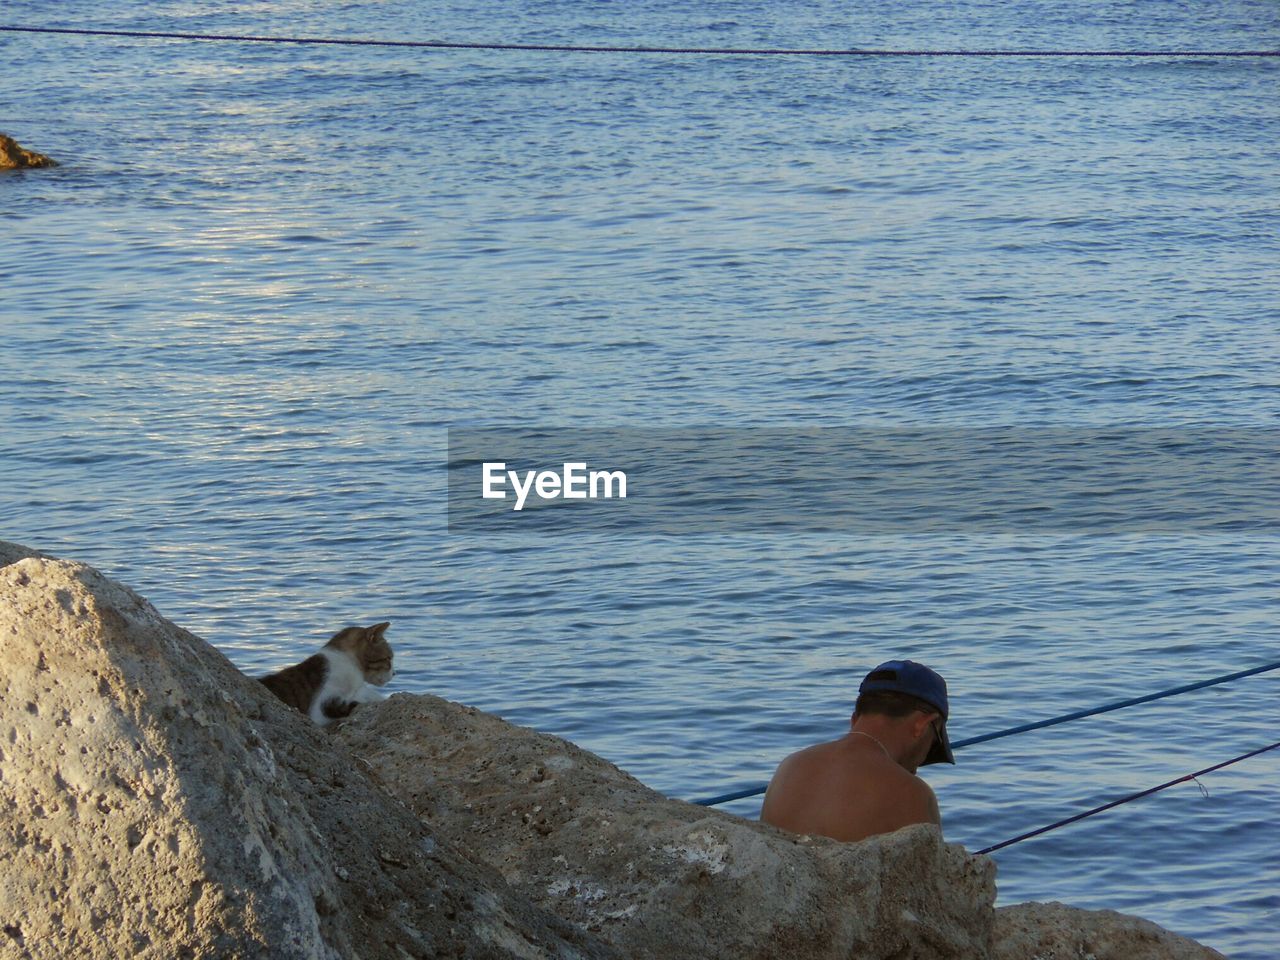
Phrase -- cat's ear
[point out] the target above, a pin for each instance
(377, 630)
(345, 635)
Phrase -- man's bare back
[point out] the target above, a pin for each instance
(848, 789)
(865, 783)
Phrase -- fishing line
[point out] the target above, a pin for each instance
(578, 48)
(1133, 796)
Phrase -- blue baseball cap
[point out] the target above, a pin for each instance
(916, 680)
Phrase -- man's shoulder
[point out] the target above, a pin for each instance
(808, 759)
(815, 751)
(923, 799)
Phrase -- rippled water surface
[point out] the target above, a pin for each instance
(240, 317)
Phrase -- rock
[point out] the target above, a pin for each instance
(661, 878)
(13, 156)
(1054, 931)
(156, 803)
(13, 552)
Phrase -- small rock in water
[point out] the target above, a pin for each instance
(13, 156)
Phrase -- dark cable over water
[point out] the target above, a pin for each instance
(1116, 803)
(574, 48)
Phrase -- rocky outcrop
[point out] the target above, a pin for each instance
(156, 803)
(13, 552)
(13, 156)
(1054, 931)
(660, 878)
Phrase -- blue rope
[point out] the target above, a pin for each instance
(1078, 715)
(573, 48)
(1116, 803)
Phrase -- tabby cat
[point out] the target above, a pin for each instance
(346, 672)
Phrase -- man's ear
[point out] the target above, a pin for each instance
(920, 722)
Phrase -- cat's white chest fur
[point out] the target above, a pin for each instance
(345, 682)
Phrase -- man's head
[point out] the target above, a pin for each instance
(915, 695)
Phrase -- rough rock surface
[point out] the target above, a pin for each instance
(661, 878)
(1054, 931)
(156, 803)
(13, 156)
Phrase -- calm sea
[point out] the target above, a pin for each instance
(240, 318)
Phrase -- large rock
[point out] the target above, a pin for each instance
(13, 156)
(1054, 931)
(156, 803)
(661, 878)
(13, 552)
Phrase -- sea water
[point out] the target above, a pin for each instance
(240, 319)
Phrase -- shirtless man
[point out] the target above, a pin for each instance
(865, 783)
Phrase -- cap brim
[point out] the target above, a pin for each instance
(940, 752)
